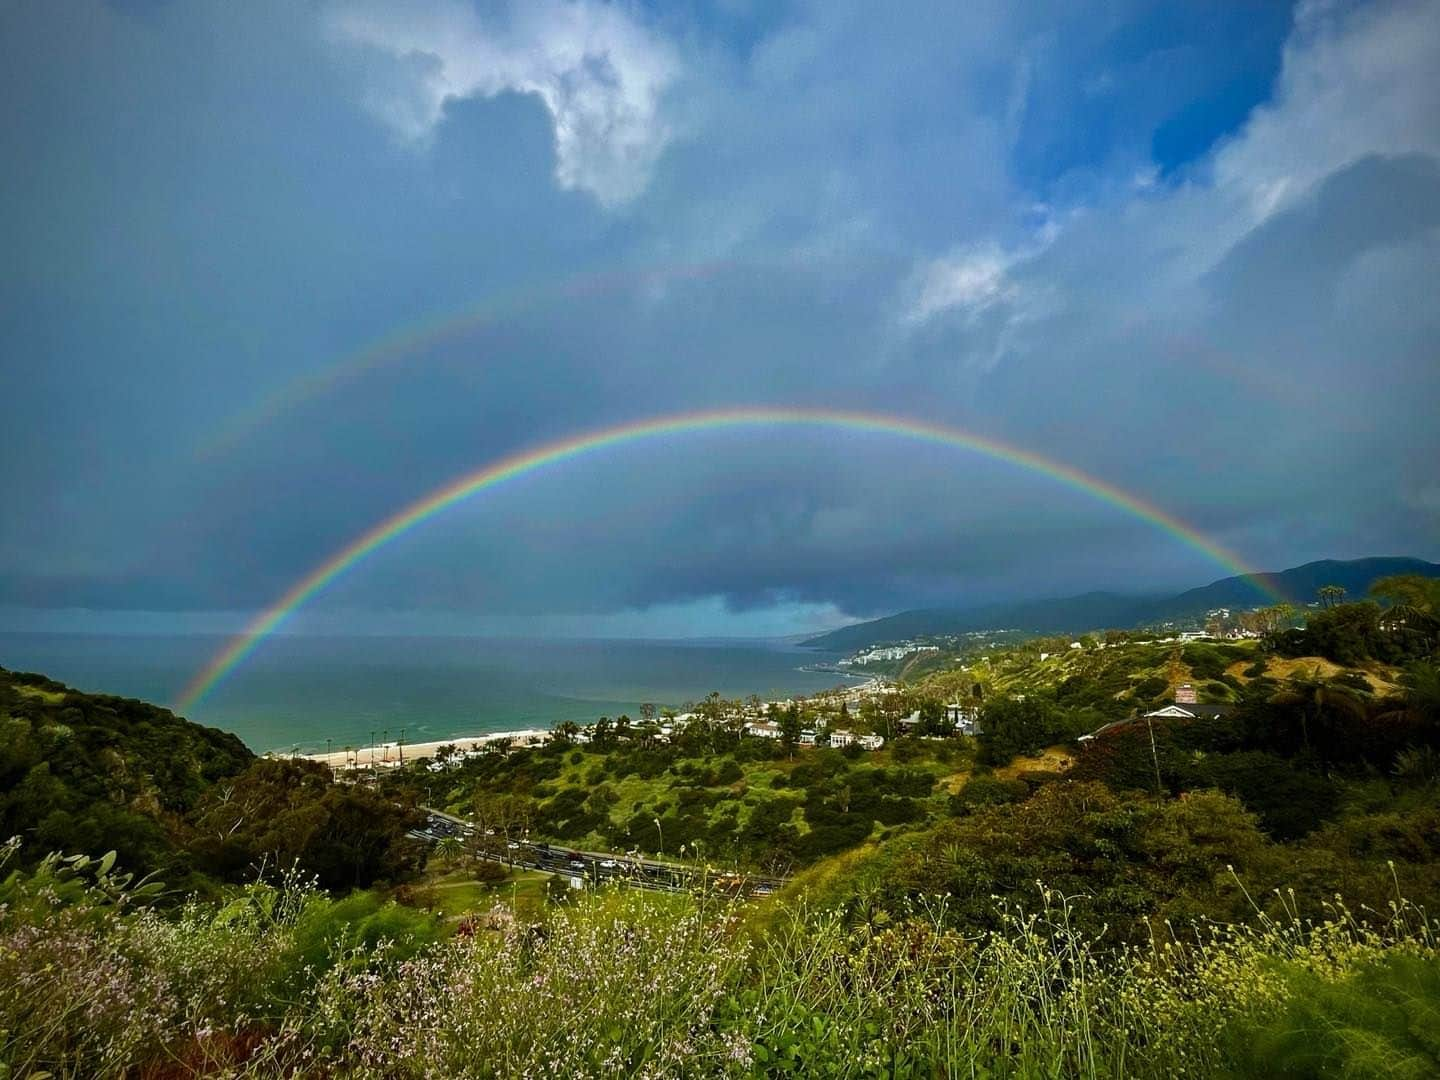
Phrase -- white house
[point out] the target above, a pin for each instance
(965, 719)
(1184, 708)
(765, 730)
(840, 739)
(870, 742)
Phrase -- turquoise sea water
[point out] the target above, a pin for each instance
(304, 690)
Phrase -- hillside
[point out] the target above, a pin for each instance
(1018, 876)
(90, 772)
(1093, 610)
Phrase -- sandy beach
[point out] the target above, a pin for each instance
(391, 753)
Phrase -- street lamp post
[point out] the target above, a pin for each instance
(658, 829)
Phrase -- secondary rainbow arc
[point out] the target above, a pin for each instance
(526, 461)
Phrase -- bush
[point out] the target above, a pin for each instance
(1289, 802)
(1381, 1020)
(490, 872)
(982, 791)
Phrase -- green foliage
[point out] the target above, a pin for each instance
(1381, 1019)
(985, 790)
(1290, 802)
(88, 772)
(1352, 634)
(283, 813)
(1010, 726)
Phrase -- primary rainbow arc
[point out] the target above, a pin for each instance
(270, 620)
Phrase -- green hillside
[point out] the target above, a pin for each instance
(91, 772)
(1178, 895)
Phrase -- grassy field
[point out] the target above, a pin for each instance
(453, 892)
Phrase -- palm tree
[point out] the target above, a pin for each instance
(448, 849)
(1317, 699)
(1331, 595)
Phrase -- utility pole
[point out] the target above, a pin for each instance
(1154, 755)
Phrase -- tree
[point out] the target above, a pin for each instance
(1272, 620)
(1413, 608)
(1331, 595)
(448, 849)
(932, 719)
(1413, 590)
(280, 813)
(790, 725)
(1012, 725)
(1322, 705)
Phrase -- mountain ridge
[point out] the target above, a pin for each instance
(1099, 609)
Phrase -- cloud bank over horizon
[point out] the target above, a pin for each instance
(1189, 251)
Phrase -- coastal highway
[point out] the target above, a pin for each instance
(594, 867)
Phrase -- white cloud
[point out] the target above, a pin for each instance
(1354, 81)
(970, 281)
(599, 72)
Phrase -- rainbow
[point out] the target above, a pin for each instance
(554, 453)
(394, 347)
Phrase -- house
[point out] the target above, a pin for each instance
(1185, 707)
(870, 742)
(965, 719)
(807, 738)
(840, 739)
(765, 729)
(909, 723)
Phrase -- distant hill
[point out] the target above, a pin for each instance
(1096, 610)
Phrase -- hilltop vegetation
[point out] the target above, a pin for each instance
(89, 772)
(92, 773)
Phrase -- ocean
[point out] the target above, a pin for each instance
(302, 691)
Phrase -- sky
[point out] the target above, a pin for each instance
(275, 271)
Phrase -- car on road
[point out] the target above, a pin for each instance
(608, 864)
(577, 864)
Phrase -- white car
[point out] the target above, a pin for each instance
(608, 864)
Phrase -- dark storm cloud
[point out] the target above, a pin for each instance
(1190, 257)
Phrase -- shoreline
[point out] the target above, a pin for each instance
(390, 753)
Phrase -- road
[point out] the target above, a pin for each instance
(596, 867)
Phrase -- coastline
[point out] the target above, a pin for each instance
(390, 753)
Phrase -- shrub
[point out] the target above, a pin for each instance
(987, 791)
(1380, 1020)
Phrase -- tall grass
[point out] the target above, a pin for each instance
(285, 981)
